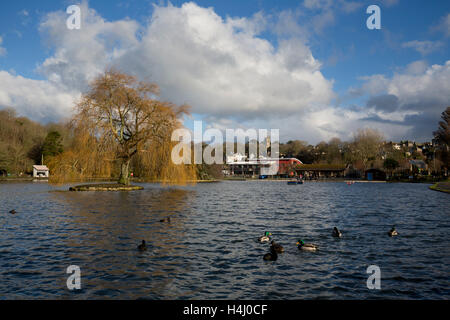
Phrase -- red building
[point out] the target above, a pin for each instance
(287, 166)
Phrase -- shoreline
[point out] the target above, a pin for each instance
(137, 180)
(443, 186)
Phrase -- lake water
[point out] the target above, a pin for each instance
(210, 249)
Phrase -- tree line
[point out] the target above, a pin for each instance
(120, 128)
(24, 142)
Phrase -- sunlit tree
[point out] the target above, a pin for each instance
(120, 117)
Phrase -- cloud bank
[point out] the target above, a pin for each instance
(227, 72)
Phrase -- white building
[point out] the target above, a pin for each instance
(237, 157)
(40, 171)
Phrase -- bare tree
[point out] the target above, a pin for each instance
(366, 145)
(124, 114)
(442, 134)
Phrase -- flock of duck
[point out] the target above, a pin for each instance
(276, 248)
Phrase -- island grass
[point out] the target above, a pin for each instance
(105, 187)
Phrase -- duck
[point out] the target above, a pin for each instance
(306, 246)
(13, 211)
(271, 256)
(278, 248)
(165, 220)
(265, 237)
(337, 233)
(393, 232)
(142, 246)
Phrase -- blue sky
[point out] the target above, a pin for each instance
(355, 70)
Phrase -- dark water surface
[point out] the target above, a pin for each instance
(210, 250)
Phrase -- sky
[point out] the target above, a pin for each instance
(310, 68)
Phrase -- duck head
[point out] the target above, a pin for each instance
(268, 234)
(300, 243)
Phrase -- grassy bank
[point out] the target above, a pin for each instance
(441, 186)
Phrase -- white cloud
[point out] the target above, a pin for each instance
(219, 66)
(326, 11)
(80, 55)
(38, 99)
(432, 85)
(419, 94)
(444, 25)
(390, 3)
(2, 50)
(225, 70)
(423, 47)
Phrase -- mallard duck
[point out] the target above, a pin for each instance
(13, 211)
(165, 220)
(393, 232)
(265, 238)
(271, 256)
(306, 246)
(142, 246)
(278, 248)
(337, 233)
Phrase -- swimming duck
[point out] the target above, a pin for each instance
(337, 233)
(165, 220)
(13, 211)
(265, 238)
(393, 232)
(306, 246)
(271, 256)
(142, 246)
(278, 248)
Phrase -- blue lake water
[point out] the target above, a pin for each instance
(210, 249)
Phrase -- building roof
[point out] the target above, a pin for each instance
(418, 163)
(321, 167)
(40, 168)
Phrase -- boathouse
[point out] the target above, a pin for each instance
(318, 171)
(40, 171)
(375, 174)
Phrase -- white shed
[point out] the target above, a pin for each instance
(40, 171)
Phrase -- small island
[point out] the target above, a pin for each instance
(105, 187)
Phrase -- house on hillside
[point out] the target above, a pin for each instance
(419, 165)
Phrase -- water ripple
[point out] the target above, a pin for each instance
(210, 249)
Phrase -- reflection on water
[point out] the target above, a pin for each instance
(110, 225)
(209, 250)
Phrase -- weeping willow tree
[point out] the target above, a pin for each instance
(120, 123)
